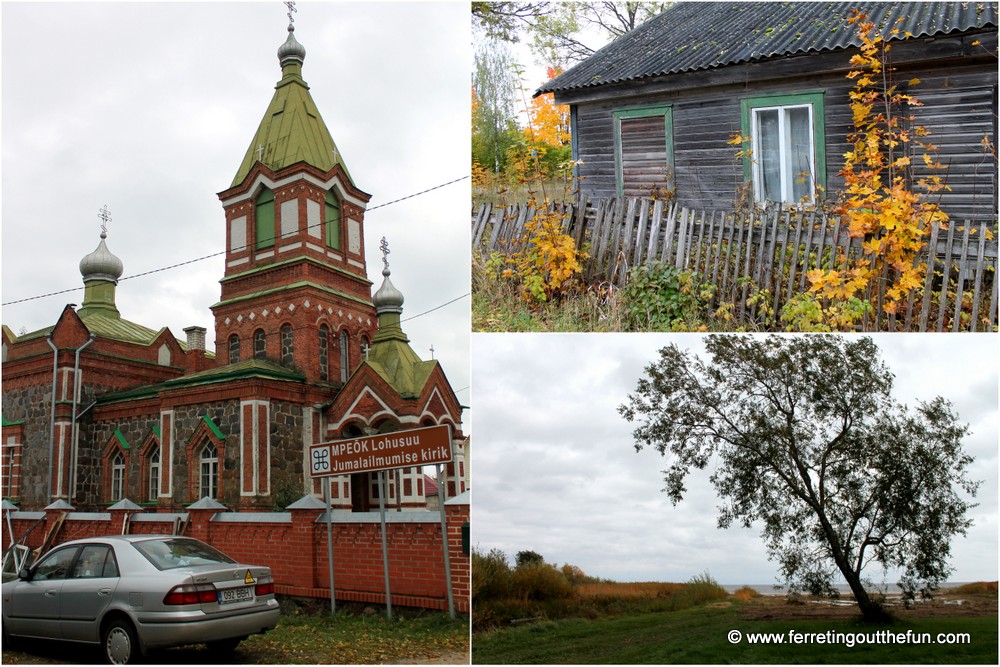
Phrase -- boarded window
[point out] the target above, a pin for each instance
(264, 213)
(332, 216)
(643, 152)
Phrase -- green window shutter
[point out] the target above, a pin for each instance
(332, 218)
(644, 150)
(265, 219)
(792, 162)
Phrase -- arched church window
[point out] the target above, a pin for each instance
(332, 217)
(209, 473)
(324, 352)
(118, 477)
(265, 219)
(154, 474)
(259, 344)
(287, 344)
(234, 349)
(345, 357)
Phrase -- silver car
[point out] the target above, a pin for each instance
(132, 593)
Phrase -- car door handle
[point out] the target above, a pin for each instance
(104, 592)
(51, 593)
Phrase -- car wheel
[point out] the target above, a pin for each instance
(223, 646)
(120, 644)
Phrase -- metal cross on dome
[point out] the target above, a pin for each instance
(291, 10)
(105, 215)
(384, 246)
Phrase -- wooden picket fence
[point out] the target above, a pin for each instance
(763, 254)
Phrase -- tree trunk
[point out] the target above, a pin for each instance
(871, 611)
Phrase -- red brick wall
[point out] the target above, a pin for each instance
(296, 552)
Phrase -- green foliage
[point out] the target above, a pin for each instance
(699, 636)
(805, 312)
(524, 558)
(703, 588)
(491, 576)
(661, 297)
(494, 127)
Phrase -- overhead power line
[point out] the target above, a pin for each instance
(223, 252)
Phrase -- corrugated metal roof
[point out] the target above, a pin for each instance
(691, 36)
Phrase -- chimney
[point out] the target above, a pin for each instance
(195, 338)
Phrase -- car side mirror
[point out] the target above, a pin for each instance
(24, 574)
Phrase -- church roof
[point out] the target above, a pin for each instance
(251, 368)
(396, 362)
(292, 129)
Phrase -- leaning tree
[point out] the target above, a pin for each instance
(805, 438)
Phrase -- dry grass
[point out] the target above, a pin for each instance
(628, 590)
(745, 594)
(976, 588)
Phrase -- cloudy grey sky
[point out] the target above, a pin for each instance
(148, 108)
(555, 470)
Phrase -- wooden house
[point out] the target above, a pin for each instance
(658, 107)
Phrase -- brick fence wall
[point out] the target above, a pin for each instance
(294, 545)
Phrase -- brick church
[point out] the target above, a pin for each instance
(97, 408)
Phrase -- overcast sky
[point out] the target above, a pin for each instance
(149, 108)
(555, 470)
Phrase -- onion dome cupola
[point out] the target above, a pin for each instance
(101, 270)
(292, 129)
(390, 354)
(291, 51)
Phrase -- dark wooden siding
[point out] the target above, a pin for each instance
(958, 110)
(704, 167)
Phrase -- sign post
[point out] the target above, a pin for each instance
(385, 548)
(444, 541)
(377, 453)
(329, 544)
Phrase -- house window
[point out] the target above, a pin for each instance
(332, 217)
(324, 352)
(788, 151)
(234, 349)
(643, 151)
(265, 219)
(118, 477)
(154, 474)
(344, 357)
(287, 344)
(259, 344)
(209, 473)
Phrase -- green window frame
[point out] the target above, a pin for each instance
(775, 168)
(332, 218)
(264, 215)
(666, 111)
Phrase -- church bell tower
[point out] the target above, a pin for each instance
(295, 289)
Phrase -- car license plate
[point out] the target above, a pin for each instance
(230, 595)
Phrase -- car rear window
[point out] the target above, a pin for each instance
(168, 554)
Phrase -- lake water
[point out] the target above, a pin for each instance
(844, 589)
